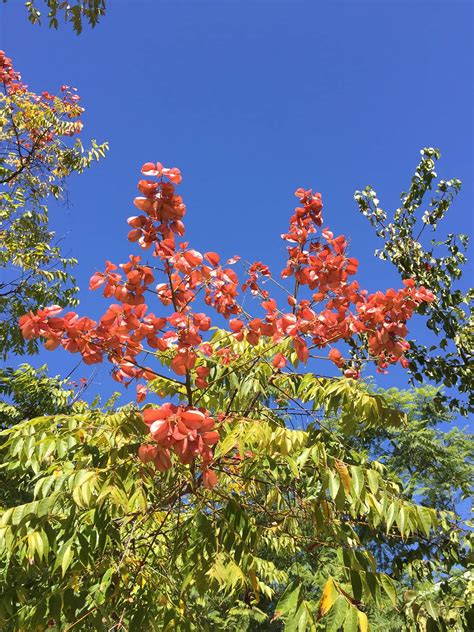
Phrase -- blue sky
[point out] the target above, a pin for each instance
(252, 100)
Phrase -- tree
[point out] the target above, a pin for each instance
(139, 518)
(433, 466)
(37, 156)
(27, 393)
(74, 13)
(436, 264)
(31, 393)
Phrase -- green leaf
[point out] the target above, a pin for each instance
(357, 480)
(391, 515)
(334, 483)
(356, 583)
(335, 617)
(351, 622)
(296, 622)
(64, 556)
(289, 601)
(389, 587)
(373, 480)
(402, 520)
(432, 609)
(424, 519)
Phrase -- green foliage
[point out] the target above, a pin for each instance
(438, 266)
(27, 392)
(432, 464)
(448, 605)
(74, 13)
(287, 539)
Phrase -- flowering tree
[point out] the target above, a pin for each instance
(336, 309)
(37, 155)
(143, 519)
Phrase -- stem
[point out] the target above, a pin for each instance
(189, 390)
(188, 386)
(295, 293)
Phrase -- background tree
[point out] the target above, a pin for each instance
(75, 13)
(436, 263)
(32, 393)
(26, 393)
(433, 464)
(37, 156)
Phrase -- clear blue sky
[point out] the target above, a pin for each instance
(251, 100)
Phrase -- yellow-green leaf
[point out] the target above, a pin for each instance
(328, 598)
(341, 467)
(389, 588)
(363, 621)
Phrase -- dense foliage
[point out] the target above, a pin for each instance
(304, 530)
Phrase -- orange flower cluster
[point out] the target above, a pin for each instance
(319, 264)
(188, 432)
(336, 309)
(129, 290)
(305, 218)
(325, 269)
